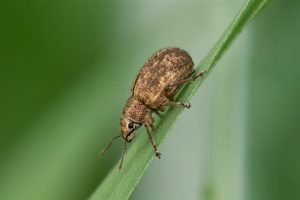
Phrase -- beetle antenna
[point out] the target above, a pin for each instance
(109, 144)
(123, 153)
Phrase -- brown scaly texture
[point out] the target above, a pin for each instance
(165, 67)
(135, 110)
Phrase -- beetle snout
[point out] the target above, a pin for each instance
(128, 140)
(129, 137)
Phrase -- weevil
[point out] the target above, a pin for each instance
(154, 88)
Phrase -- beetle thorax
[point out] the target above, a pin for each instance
(133, 116)
(135, 110)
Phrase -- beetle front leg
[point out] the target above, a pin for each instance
(157, 113)
(148, 125)
(157, 153)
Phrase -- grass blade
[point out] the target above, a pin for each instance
(120, 185)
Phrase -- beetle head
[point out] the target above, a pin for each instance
(128, 127)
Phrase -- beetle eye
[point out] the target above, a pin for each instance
(130, 125)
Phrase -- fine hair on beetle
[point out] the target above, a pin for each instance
(153, 89)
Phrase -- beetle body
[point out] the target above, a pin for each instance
(154, 87)
(158, 81)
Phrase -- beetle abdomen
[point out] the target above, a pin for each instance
(165, 67)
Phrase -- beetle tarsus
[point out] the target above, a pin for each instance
(157, 154)
(187, 105)
(178, 104)
(201, 74)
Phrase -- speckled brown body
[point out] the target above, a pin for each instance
(164, 68)
(153, 89)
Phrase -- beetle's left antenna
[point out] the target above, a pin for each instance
(123, 153)
(109, 144)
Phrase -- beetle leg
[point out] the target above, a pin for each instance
(157, 113)
(190, 79)
(170, 94)
(157, 153)
(148, 125)
(177, 104)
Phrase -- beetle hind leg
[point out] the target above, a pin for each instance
(170, 102)
(188, 80)
(170, 94)
(157, 113)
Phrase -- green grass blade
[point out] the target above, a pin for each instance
(120, 185)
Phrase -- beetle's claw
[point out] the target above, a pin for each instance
(187, 105)
(157, 154)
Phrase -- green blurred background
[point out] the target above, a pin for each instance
(66, 68)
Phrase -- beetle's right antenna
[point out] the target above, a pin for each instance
(123, 153)
(109, 144)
